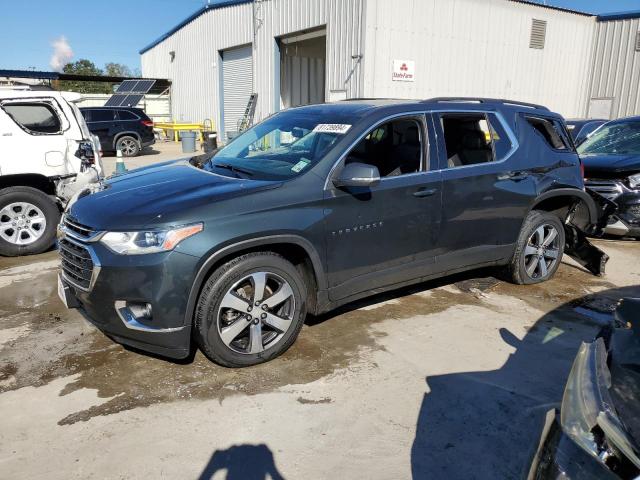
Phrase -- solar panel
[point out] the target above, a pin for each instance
(143, 86)
(129, 93)
(126, 86)
(131, 100)
(115, 101)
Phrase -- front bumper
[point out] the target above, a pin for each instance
(626, 220)
(161, 280)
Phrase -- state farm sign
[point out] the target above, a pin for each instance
(404, 71)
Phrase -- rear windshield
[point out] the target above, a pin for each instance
(283, 146)
(613, 139)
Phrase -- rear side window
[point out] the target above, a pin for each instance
(502, 144)
(552, 131)
(125, 115)
(102, 115)
(467, 139)
(36, 118)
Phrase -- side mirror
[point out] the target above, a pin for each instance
(357, 174)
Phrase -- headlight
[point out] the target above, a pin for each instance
(580, 403)
(634, 180)
(153, 241)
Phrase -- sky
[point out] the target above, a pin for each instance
(115, 30)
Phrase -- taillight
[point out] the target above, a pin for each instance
(147, 123)
(582, 169)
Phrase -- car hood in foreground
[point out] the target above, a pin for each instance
(158, 195)
(610, 165)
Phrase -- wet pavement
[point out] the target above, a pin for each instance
(445, 379)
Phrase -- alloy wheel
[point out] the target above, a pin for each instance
(542, 251)
(22, 223)
(256, 312)
(128, 146)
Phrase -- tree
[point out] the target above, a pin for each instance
(83, 67)
(87, 67)
(117, 70)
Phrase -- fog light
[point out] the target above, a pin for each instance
(140, 310)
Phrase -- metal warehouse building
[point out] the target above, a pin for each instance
(294, 52)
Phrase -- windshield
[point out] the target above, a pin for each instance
(281, 147)
(613, 139)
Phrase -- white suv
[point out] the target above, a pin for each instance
(47, 154)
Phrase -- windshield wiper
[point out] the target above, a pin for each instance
(234, 169)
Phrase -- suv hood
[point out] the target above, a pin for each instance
(158, 195)
(610, 165)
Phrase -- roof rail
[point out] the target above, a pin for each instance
(486, 100)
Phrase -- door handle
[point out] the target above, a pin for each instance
(515, 176)
(425, 192)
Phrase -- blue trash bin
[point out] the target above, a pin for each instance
(188, 142)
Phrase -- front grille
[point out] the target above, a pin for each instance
(77, 229)
(77, 264)
(609, 189)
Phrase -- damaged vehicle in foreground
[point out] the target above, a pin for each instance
(597, 433)
(47, 154)
(316, 207)
(611, 158)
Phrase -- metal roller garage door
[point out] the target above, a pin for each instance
(236, 86)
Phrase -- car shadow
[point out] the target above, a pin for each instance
(487, 424)
(243, 462)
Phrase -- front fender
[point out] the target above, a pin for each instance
(248, 244)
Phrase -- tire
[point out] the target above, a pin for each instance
(523, 268)
(128, 145)
(228, 321)
(32, 233)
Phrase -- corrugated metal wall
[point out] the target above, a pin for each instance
(194, 70)
(616, 66)
(478, 48)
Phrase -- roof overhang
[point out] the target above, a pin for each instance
(161, 84)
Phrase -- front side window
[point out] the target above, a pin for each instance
(613, 139)
(395, 148)
(281, 147)
(468, 139)
(36, 118)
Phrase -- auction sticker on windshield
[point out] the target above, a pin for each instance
(339, 128)
(301, 165)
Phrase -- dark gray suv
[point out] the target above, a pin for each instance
(318, 206)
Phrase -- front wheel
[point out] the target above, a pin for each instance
(539, 249)
(250, 310)
(28, 221)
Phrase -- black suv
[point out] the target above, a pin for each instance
(611, 159)
(120, 128)
(318, 206)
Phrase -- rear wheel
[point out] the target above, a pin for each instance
(129, 146)
(539, 249)
(28, 221)
(250, 310)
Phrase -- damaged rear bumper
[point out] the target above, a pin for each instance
(577, 228)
